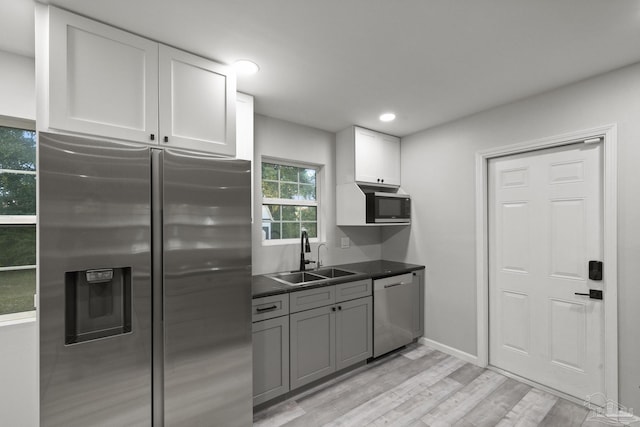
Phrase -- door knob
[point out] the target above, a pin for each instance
(593, 294)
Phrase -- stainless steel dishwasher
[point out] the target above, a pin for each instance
(395, 312)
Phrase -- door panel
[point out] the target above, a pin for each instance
(567, 334)
(567, 246)
(545, 225)
(354, 332)
(515, 237)
(515, 321)
(197, 103)
(103, 81)
(91, 217)
(312, 345)
(207, 290)
(270, 359)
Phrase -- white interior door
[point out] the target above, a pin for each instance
(545, 225)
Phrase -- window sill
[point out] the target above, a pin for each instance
(17, 318)
(279, 242)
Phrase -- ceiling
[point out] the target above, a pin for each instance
(332, 63)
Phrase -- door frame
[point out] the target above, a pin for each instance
(610, 241)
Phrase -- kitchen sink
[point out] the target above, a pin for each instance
(304, 277)
(333, 272)
(299, 278)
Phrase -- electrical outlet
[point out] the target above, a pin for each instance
(344, 243)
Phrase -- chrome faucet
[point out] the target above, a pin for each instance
(304, 247)
(319, 263)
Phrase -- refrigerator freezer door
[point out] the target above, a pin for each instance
(95, 286)
(207, 290)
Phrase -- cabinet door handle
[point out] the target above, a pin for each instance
(333, 309)
(339, 307)
(152, 137)
(263, 309)
(166, 139)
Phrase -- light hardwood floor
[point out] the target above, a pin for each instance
(420, 386)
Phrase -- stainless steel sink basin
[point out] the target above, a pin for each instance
(299, 278)
(304, 277)
(332, 273)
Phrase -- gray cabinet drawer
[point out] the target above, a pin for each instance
(352, 290)
(269, 307)
(312, 298)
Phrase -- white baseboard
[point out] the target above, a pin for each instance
(450, 350)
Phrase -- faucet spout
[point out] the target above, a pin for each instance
(304, 247)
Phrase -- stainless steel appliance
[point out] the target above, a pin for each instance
(395, 312)
(388, 208)
(145, 286)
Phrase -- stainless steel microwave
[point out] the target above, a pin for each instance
(388, 208)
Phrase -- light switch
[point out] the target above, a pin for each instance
(344, 242)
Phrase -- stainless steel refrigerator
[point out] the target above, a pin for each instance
(145, 286)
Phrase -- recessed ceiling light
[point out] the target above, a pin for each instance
(244, 66)
(387, 117)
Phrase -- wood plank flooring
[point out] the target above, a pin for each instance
(423, 387)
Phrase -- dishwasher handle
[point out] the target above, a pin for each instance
(394, 284)
(392, 281)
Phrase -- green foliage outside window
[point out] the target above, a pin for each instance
(17, 238)
(282, 217)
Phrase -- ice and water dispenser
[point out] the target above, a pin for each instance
(98, 304)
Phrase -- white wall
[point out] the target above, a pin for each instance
(17, 86)
(18, 354)
(438, 170)
(289, 141)
(18, 367)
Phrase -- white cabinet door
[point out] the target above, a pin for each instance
(102, 81)
(197, 103)
(377, 158)
(367, 157)
(390, 160)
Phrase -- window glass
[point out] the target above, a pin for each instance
(17, 245)
(17, 288)
(290, 205)
(17, 219)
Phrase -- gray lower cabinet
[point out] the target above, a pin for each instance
(313, 337)
(270, 359)
(329, 338)
(354, 332)
(270, 347)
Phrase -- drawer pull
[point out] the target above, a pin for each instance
(263, 309)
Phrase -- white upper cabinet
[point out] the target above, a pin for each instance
(97, 80)
(197, 103)
(368, 158)
(101, 81)
(244, 126)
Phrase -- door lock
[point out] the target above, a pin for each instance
(595, 270)
(593, 294)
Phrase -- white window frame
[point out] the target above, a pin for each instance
(288, 202)
(23, 316)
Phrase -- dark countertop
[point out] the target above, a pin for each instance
(263, 286)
